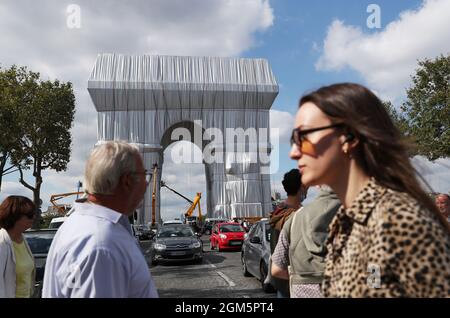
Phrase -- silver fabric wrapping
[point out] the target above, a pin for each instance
(142, 99)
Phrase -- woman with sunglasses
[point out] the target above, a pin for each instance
(388, 239)
(17, 268)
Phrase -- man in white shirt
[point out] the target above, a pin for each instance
(94, 253)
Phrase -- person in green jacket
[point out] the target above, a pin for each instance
(295, 194)
(301, 249)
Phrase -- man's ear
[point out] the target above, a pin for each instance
(126, 181)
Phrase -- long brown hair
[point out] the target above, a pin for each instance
(382, 153)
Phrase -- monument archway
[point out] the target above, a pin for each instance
(221, 104)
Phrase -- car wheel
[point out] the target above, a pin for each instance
(154, 262)
(267, 288)
(244, 267)
(200, 260)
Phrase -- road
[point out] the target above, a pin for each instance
(219, 276)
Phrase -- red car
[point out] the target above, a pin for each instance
(227, 236)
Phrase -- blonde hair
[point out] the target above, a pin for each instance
(106, 164)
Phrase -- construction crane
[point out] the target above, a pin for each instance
(62, 208)
(194, 204)
(155, 177)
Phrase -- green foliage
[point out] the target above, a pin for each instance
(35, 121)
(46, 219)
(45, 124)
(427, 108)
(14, 90)
(399, 121)
(425, 115)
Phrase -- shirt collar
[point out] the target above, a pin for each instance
(365, 201)
(98, 211)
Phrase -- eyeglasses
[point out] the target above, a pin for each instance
(148, 175)
(298, 137)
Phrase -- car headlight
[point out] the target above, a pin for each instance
(158, 246)
(223, 236)
(195, 245)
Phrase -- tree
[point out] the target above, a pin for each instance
(14, 90)
(427, 108)
(398, 119)
(45, 117)
(47, 218)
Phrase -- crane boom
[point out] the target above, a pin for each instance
(55, 197)
(176, 192)
(155, 176)
(194, 203)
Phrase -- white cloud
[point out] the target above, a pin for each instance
(13, 188)
(281, 125)
(436, 174)
(387, 59)
(185, 178)
(36, 35)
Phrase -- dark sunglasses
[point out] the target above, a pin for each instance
(298, 137)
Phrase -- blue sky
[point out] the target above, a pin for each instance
(289, 43)
(294, 44)
(307, 43)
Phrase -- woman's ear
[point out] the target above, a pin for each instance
(349, 137)
(351, 140)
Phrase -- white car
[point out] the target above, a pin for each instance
(57, 222)
(172, 222)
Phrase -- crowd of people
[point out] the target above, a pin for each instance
(372, 231)
(388, 238)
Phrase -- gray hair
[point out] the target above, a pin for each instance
(106, 164)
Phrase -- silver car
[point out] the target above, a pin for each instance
(176, 242)
(39, 242)
(256, 252)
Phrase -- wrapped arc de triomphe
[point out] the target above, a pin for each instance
(148, 100)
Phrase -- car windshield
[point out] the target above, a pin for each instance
(268, 232)
(231, 228)
(39, 242)
(176, 232)
(55, 225)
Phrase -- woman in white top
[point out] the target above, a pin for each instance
(17, 267)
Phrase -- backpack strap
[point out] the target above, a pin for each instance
(290, 270)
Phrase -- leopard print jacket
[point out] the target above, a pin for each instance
(386, 245)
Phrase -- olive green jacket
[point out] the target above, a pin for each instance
(307, 249)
